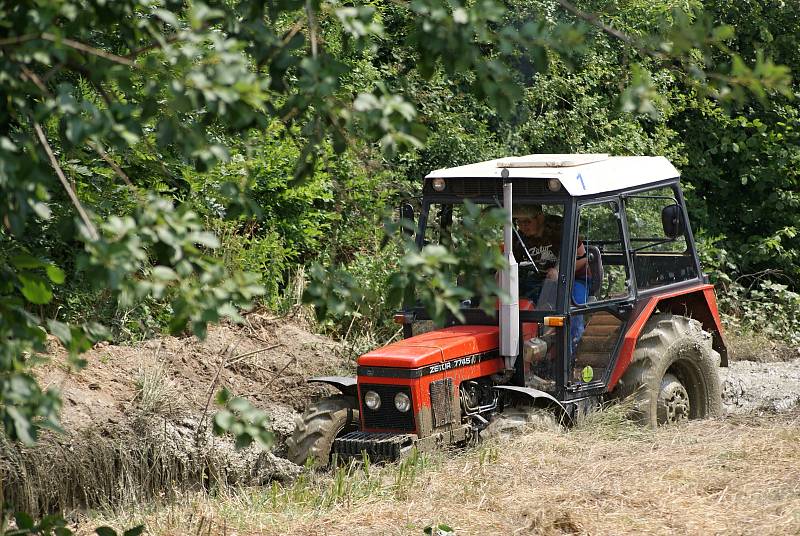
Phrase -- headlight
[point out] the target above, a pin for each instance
(372, 400)
(553, 185)
(402, 402)
(438, 184)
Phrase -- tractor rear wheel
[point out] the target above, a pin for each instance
(316, 429)
(674, 374)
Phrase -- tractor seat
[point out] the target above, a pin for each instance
(595, 268)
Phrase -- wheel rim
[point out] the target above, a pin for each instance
(675, 401)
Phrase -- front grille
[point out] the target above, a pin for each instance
(387, 416)
(489, 187)
(381, 446)
(442, 402)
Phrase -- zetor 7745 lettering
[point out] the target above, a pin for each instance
(604, 299)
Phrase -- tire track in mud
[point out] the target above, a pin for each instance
(749, 386)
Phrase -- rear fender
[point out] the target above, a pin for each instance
(345, 384)
(697, 302)
(702, 306)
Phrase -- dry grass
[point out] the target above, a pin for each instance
(106, 467)
(732, 476)
(156, 394)
(746, 345)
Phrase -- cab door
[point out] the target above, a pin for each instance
(601, 294)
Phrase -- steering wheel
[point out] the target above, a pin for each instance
(528, 264)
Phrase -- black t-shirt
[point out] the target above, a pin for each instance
(544, 250)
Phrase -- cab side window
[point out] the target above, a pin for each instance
(658, 235)
(606, 272)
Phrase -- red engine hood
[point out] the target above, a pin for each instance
(434, 347)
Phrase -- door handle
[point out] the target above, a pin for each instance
(623, 308)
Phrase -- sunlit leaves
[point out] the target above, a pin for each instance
(359, 22)
(26, 407)
(332, 292)
(388, 118)
(439, 277)
(641, 96)
(163, 252)
(239, 418)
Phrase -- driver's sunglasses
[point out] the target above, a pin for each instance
(525, 221)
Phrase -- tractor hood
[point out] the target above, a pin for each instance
(434, 347)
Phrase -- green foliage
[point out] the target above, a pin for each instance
(769, 307)
(439, 529)
(47, 526)
(439, 276)
(203, 291)
(55, 525)
(108, 531)
(24, 406)
(746, 166)
(238, 417)
(762, 302)
(332, 292)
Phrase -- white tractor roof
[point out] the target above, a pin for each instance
(580, 174)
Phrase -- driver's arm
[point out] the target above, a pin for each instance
(580, 263)
(583, 259)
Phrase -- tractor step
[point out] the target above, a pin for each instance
(379, 446)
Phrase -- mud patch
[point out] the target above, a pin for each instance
(749, 386)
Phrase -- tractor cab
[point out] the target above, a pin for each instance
(604, 297)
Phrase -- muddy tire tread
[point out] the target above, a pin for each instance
(672, 341)
(316, 429)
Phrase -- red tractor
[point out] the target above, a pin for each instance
(605, 299)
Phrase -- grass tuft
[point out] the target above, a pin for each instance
(155, 393)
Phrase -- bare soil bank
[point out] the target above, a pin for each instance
(138, 417)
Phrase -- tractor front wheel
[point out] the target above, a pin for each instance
(674, 373)
(319, 426)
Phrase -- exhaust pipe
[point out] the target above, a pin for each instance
(509, 282)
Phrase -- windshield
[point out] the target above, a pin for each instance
(538, 237)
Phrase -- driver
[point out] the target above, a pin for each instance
(541, 245)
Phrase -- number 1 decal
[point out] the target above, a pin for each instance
(580, 179)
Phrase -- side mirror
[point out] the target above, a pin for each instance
(672, 221)
(407, 221)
